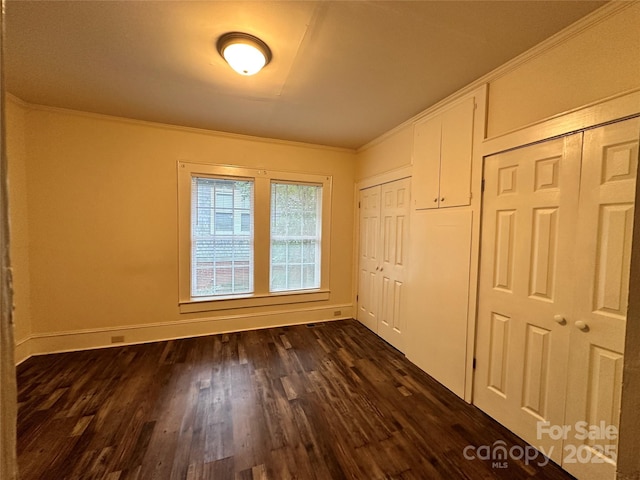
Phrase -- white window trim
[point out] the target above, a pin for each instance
(262, 240)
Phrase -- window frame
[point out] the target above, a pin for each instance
(288, 238)
(262, 238)
(221, 235)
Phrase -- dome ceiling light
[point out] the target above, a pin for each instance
(245, 53)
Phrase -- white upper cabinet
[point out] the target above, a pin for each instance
(426, 163)
(442, 153)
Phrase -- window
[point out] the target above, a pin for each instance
(251, 237)
(221, 254)
(296, 213)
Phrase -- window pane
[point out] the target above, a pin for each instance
(294, 277)
(224, 195)
(223, 222)
(309, 274)
(221, 236)
(309, 251)
(278, 277)
(278, 252)
(294, 253)
(295, 236)
(245, 222)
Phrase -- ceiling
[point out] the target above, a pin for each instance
(343, 72)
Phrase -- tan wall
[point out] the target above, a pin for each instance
(15, 115)
(392, 153)
(598, 62)
(103, 216)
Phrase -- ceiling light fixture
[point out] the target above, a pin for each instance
(244, 53)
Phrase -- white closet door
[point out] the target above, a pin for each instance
(394, 235)
(601, 280)
(369, 257)
(529, 216)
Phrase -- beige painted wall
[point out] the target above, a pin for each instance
(15, 115)
(595, 63)
(103, 215)
(392, 153)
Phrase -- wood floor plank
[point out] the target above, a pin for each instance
(328, 402)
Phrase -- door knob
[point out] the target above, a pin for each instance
(435, 200)
(560, 319)
(582, 325)
(442, 199)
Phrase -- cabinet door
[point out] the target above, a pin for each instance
(442, 154)
(601, 289)
(438, 290)
(426, 164)
(455, 155)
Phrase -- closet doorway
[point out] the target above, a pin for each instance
(384, 231)
(554, 283)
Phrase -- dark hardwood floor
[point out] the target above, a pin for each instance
(328, 402)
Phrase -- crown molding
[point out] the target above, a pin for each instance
(175, 128)
(17, 100)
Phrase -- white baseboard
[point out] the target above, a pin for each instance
(44, 343)
(22, 350)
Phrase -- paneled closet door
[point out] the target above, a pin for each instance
(369, 257)
(601, 288)
(525, 291)
(394, 235)
(382, 261)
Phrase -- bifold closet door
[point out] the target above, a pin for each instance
(382, 260)
(554, 288)
(394, 235)
(601, 289)
(528, 227)
(369, 257)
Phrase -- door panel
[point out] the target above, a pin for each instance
(530, 205)
(503, 271)
(395, 215)
(603, 246)
(369, 257)
(439, 288)
(536, 371)
(498, 354)
(545, 240)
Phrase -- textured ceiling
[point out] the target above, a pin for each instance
(342, 72)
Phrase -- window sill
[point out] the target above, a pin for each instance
(207, 304)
